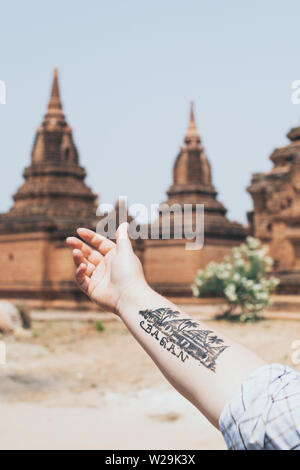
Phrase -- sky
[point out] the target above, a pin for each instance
(128, 70)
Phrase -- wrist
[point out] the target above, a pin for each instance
(133, 297)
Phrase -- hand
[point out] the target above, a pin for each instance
(111, 271)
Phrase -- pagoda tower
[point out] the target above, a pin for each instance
(192, 184)
(52, 202)
(275, 218)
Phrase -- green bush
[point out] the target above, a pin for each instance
(241, 279)
(99, 326)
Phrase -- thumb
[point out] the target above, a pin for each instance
(122, 238)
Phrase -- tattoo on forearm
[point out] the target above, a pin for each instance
(182, 337)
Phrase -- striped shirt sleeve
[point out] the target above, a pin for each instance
(264, 413)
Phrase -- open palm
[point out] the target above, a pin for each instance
(105, 270)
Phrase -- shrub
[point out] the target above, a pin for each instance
(242, 279)
(99, 326)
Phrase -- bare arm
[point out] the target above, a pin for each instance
(202, 364)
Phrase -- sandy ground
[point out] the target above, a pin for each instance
(73, 387)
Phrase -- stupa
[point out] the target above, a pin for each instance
(169, 266)
(51, 203)
(275, 218)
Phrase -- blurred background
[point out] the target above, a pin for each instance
(128, 71)
(104, 88)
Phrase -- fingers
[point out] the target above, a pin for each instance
(122, 238)
(80, 259)
(93, 256)
(81, 278)
(102, 244)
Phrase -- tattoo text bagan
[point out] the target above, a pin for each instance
(182, 337)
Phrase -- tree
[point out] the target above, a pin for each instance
(242, 279)
(186, 324)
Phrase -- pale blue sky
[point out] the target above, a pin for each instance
(128, 70)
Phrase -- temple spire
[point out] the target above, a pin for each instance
(54, 118)
(54, 102)
(192, 136)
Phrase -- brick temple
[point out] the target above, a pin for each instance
(52, 202)
(169, 267)
(275, 218)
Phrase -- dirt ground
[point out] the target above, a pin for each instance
(71, 386)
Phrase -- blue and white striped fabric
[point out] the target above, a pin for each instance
(264, 413)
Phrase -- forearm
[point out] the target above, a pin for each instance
(202, 364)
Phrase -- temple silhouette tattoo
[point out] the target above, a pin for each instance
(182, 337)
